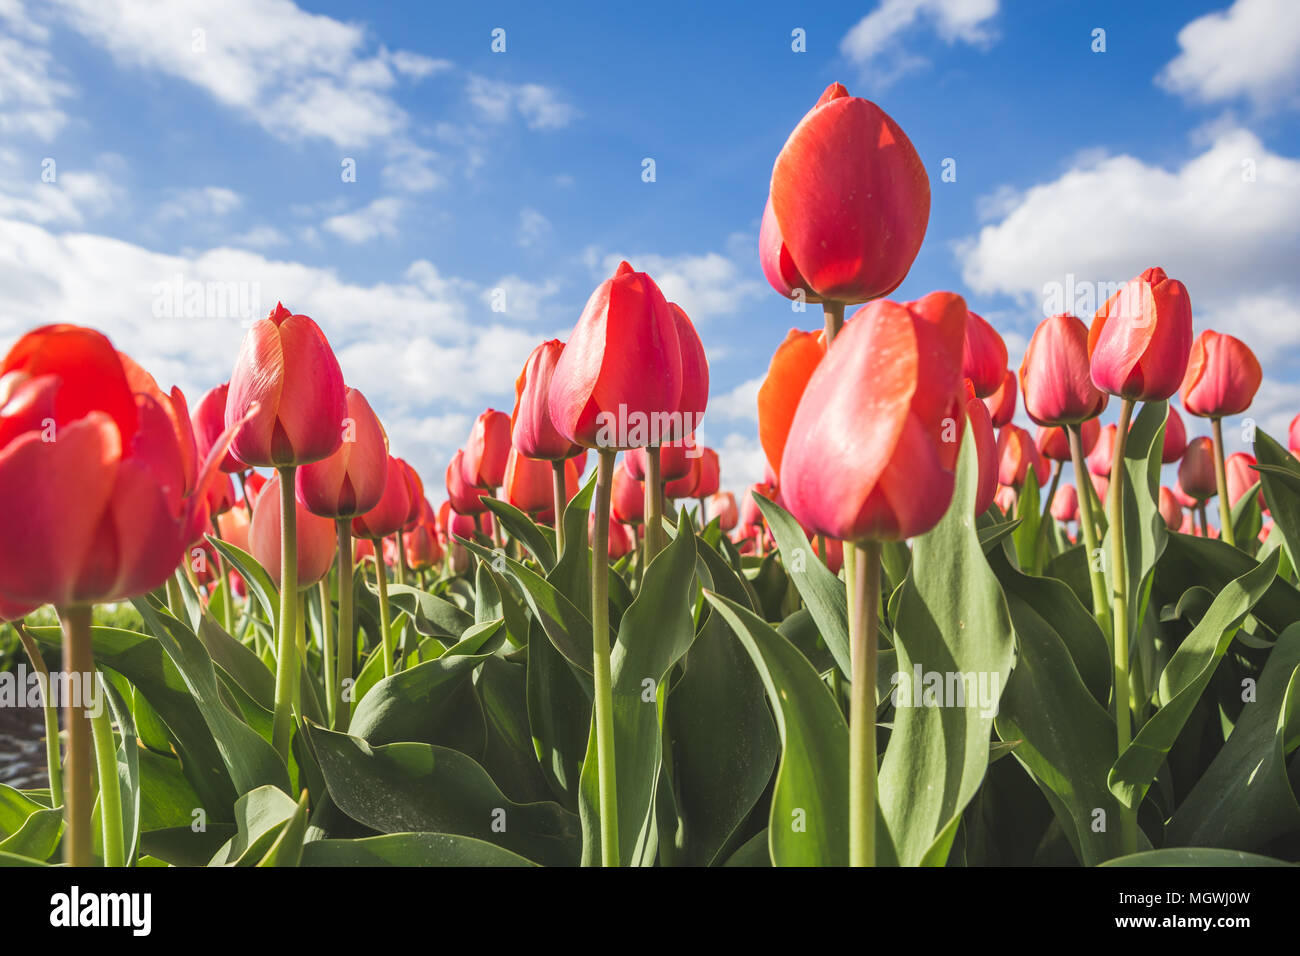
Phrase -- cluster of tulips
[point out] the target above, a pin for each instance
(114, 490)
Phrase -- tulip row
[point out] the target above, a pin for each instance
(640, 668)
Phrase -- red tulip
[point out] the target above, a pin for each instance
(622, 366)
(1170, 509)
(209, 421)
(253, 485)
(1140, 338)
(529, 483)
(532, 432)
(694, 396)
(421, 544)
(750, 515)
(1196, 470)
(1222, 378)
(233, 526)
(350, 481)
(96, 498)
(685, 486)
(1293, 436)
(389, 515)
(620, 542)
(1241, 476)
(792, 365)
(1100, 484)
(1005, 499)
(470, 527)
(722, 505)
(1002, 403)
(287, 367)
(1175, 437)
(872, 452)
(1103, 451)
(1183, 498)
(221, 495)
(984, 356)
(850, 202)
(834, 554)
(464, 496)
(710, 474)
(316, 538)
(1055, 376)
(1016, 454)
(414, 494)
(572, 482)
(627, 496)
(1054, 442)
(1065, 504)
(981, 424)
(484, 463)
(675, 461)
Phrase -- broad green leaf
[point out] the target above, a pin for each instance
(432, 616)
(1028, 517)
(501, 688)
(809, 818)
(37, 837)
(952, 622)
(255, 577)
(822, 592)
(559, 713)
(1183, 857)
(1212, 563)
(260, 815)
(399, 788)
(523, 529)
(409, 849)
(652, 636)
(1279, 475)
(1245, 799)
(1183, 680)
(287, 848)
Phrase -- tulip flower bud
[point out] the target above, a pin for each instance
(316, 539)
(288, 369)
(1065, 504)
(1016, 454)
(484, 463)
(1222, 377)
(209, 421)
(675, 461)
(529, 483)
(722, 505)
(1103, 451)
(1055, 376)
(532, 432)
(684, 487)
(1140, 339)
(872, 451)
(464, 496)
(1005, 499)
(1175, 437)
(984, 356)
(350, 481)
(389, 515)
(414, 494)
(1170, 509)
(1002, 403)
(619, 541)
(627, 497)
(1183, 498)
(1196, 470)
(977, 413)
(850, 202)
(750, 515)
(792, 365)
(710, 477)
(1293, 436)
(600, 396)
(1242, 476)
(1054, 443)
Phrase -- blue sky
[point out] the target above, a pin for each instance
(215, 158)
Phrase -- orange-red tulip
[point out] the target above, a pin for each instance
(1140, 338)
(1222, 378)
(850, 203)
(532, 432)
(1242, 476)
(464, 496)
(1196, 470)
(388, 516)
(483, 464)
(1170, 509)
(684, 487)
(872, 452)
(1002, 403)
(1055, 376)
(1065, 504)
(1293, 436)
(1175, 437)
(1054, 442)
(722, 505)
(1182, 497)
(288, 369)
(209, 420)
(1103, 451)
(792, 365)
(710, 477)
(986, 449)
(316, 539)
(350, 481)
(620, 542)
(984, 356)
(676, 460)
(1005, 499)
(1016, 454)
(627, 496)
(529, 483)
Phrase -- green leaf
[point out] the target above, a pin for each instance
(523, 529)
(1183, 680)
(809, 818)
(399, 788)
(260, 815)
(1245, 799)
(1194, 857)
(822, 592)
(1279, 476)
(653, 634)
(432, 616)
(952, 621)
(559, 713)
(37, 837)
(1028, 517)
(255, 577)
(409, 849)
(501, 689)
(288, 845)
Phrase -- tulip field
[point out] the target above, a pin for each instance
(256, 635)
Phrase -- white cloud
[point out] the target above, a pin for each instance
(411, 167)
(69, 198)
(31, 89)
(706, 285)
(521, 298)
(203, 202)
(539, 106)
(533, 227)
(739, 404)
(262, 237)
(875, 43)
(1250, 50)
(379, 218)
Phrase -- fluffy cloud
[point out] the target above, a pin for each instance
(874, 42)
(539, 106)
(207, 201)
(33, 91)
(1250, 50)
(378, 218)
(705, 285)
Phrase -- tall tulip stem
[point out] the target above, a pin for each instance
(654, 504)
(1040, 539)
(286, 656)
(78, 660)
(602, 678)
(560, 499)
(1119, 603)
(834, 315)
(329, 658)
(862, 567)
(1088, 528)
(346, 629)
(385, 615)
(52, 762)
(110, 791)
(399, 568)
(1221, 481)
